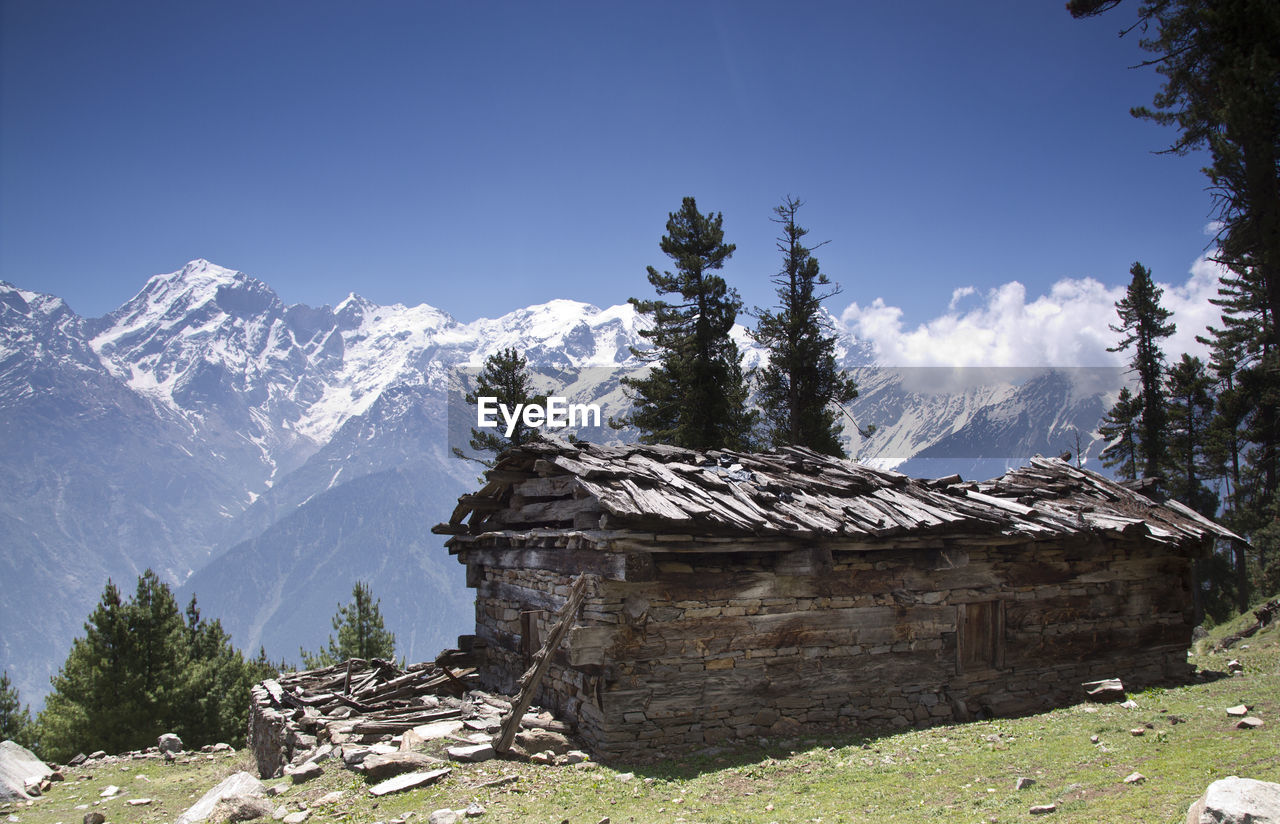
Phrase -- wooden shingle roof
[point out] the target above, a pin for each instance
(597, 493)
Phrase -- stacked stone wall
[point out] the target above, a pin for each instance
(736, 646)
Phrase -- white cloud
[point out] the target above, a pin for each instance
(959, 295)
(1069, 326)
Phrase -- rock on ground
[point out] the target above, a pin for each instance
(242, 808)
(18, 768)
(1235, 800)
(536, 740)
(169, 743)
(408, 781)
(379, 767)
(242, 784)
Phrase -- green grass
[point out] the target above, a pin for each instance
(963, 773)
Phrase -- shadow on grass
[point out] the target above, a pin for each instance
(763, 750)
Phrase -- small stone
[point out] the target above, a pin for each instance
(542, 758)
(110, 792)
(138, 802)
(297, 818)
(1234, 666)
(1024, 782)
(381, 767)
(473, 810)
(604, 820)
(625, 777)
(331, 798)
(538, 740)
(240, 808)
(471, 752)
(97, 754)
(1250, 723)
(1108, 689)
(220, 747)
(1093, 739)
(1238, 711)
(1043, 809)
(1130, 704)
(408, 781)
(307, 771)
(169, 743)
(443, 816)
(277, 789)
(573, 757)
(1137, 731)
(1134, 778)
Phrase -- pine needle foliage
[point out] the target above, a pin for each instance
(505, 376)
(1120, 429)
(1143, 323)
(360, 630)
(695, 395)
(802, 387)
(15, 719)
(141, 670)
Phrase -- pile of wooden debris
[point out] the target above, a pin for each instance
(372, 706)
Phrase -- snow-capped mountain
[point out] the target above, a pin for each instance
(265, 456)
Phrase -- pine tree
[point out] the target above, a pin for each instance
(802, 386)
(505, 376)
(360, 633)
(695, 394)
(1143, 322)
(1120, 429)
(1220, 60)
(87, 709)
(141, 670)
(1190, 407)
(217, 682)
(15, 719)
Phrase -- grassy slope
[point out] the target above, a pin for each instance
(957, 773)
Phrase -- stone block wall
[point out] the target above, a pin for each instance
(734, 646)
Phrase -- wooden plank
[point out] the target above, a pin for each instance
(555, 486)
(531, 679)
(554, 511)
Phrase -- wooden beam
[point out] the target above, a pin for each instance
(611, 566)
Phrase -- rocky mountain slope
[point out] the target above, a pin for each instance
(265, 456)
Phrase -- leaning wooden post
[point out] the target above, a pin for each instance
(541, 661)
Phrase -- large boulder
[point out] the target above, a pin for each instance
(1235, 800)
(240, 785)
(19, 769)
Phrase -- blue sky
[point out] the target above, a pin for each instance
(481, 156)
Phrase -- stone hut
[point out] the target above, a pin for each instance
(735, 595)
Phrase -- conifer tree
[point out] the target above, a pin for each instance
(505, 376)
(91, 704)
(361, 633)
(1120, 429)
(802, 386)
(15, 719)
(1143, 323)
(1190, 405)
(217, 682)
(695, 394)
(141, 670)
(1220, 60)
